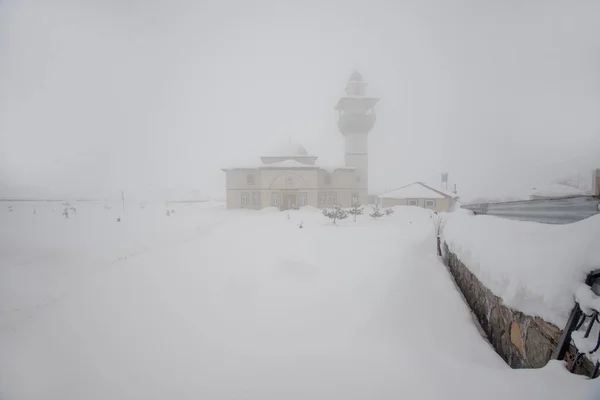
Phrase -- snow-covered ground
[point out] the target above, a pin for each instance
(216, 304)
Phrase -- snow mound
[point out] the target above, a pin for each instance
(535, 268)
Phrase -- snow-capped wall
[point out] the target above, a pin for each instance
(521, 279)
(534, 268)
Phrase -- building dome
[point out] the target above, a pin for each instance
(288, 148)
(356, 77)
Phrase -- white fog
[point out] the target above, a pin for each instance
(242, 199)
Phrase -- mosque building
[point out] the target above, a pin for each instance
(290, 177)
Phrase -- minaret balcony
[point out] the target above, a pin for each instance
(356, 123)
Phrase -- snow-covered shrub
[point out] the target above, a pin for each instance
(388, 211)
(376, 213)
(356, 209)
(336, 213)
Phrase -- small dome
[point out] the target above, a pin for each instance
(288, 148)
(356, 76)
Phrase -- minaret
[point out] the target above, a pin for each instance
(356, 117)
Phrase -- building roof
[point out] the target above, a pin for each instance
(417, 190)
(292, 164)
(290, 155)
(287, 164)
(557, 190)
(288, 148)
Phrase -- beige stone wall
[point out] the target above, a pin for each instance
(298, 180)
(234, 198)
(277, 179)
(343, 183)
(237, 179)
(441, 205)
(237, 183)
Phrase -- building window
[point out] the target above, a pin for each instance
(289, 181)
(327, 178)
(413, 202)
(429, 203)
(250, 179)
(332, 197)
(256, 198)
(322, 198)
(303, 199)
(275, 198)
(245, 198)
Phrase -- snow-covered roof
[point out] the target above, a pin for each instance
(288, 148)
(331, 168)
(287, 164)
(557, 190)
(290, 164)
(417, 190)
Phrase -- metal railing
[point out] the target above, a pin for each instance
(580, 359)
(563, 210)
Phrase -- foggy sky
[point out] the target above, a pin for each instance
(156, 96)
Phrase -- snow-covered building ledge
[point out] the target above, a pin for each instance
(521, 279)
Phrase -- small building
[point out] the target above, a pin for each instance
(420, 195)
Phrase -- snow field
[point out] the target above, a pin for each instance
(218, 304)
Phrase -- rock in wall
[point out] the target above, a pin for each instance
(521, 340)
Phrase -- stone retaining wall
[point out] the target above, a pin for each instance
(521, 340)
